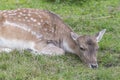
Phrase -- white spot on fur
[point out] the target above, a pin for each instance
(5, 15)
(39, 23)
(26, 17)
(53, 30)
(19, 15)
(4, 11)
(24, 10)
(29, 15)
(34, 20)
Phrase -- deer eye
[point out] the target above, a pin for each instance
(81, 48)
(96, 49)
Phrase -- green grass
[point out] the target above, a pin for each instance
(87, 17)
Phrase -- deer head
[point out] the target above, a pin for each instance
(88, 46)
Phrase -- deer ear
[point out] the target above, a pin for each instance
(99, 35)
(74, 35)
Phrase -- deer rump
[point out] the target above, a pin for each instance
(30, 29)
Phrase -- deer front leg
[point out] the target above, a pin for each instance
(49, 49)
(7, 50)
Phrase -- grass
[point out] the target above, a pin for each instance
(87, 17)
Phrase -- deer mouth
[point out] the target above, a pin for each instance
(93, 66)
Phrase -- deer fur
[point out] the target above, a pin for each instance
(43, 32)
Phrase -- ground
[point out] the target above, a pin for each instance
(84, 17)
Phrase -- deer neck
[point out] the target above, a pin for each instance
(68, 44)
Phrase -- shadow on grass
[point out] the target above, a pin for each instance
(109, 59)
(113, 63)
(70, 2)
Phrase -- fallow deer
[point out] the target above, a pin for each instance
(43, 32)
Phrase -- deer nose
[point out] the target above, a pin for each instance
(93, 66)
